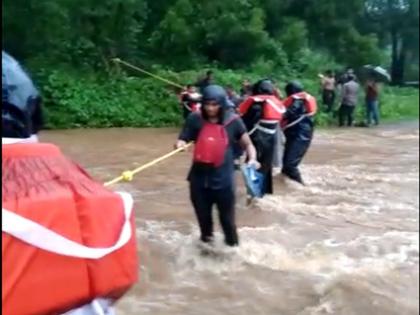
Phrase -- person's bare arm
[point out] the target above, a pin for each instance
(376, 88)
(189, 132)
(251, 153)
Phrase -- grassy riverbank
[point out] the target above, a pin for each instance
(73, 100)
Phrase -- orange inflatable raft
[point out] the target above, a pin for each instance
(66, 239)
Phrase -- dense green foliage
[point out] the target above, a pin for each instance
(81, 101)
(184, 34)
(68, 46)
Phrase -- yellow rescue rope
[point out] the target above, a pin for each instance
(118, 60)
(129, 175)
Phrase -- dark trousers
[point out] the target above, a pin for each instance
(203, 200)
(297, 144)
(186, 112)
(345, 114)
(328, 98)
(264, 145)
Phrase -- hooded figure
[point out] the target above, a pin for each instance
(298, 128)
(215, 131)
(21, 102)
(262, 113)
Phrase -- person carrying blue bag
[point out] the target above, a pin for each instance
(261, 114)
(254, 181)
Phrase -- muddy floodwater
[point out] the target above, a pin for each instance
(347, 243)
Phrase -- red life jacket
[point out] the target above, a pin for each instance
(310, 102)
(212, 143)
(66, 239)
(273, 108)
(310, 106)
(193, 105)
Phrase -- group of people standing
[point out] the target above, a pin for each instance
(226, 124)
(349, 89)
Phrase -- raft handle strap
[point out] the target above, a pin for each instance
(41, 237)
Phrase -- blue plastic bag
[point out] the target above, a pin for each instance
(254, 181)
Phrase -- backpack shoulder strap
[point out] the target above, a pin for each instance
(230, 120)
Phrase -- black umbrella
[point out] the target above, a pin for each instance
(378, 73)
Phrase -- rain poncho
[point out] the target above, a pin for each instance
(21, 111)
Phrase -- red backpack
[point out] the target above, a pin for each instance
(212, 143)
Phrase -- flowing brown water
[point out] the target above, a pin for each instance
(345, 244)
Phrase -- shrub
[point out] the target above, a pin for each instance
(74, 100)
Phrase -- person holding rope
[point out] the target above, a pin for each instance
(298, 128)
(262, 113)
(190, 100)
(211, 177)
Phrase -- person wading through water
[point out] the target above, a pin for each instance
(262, 113)
(211, 177)
(298, 128)
(190, 100)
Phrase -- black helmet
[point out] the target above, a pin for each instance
(263, 87)
(215, 93)
(351, 77)
(21, 101)
(293, 87)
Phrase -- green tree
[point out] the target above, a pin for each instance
(73, 31)
(229, 32)
(187, 33)
(399, 20)
(176, 34)
(294, 37)
(333, 25)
